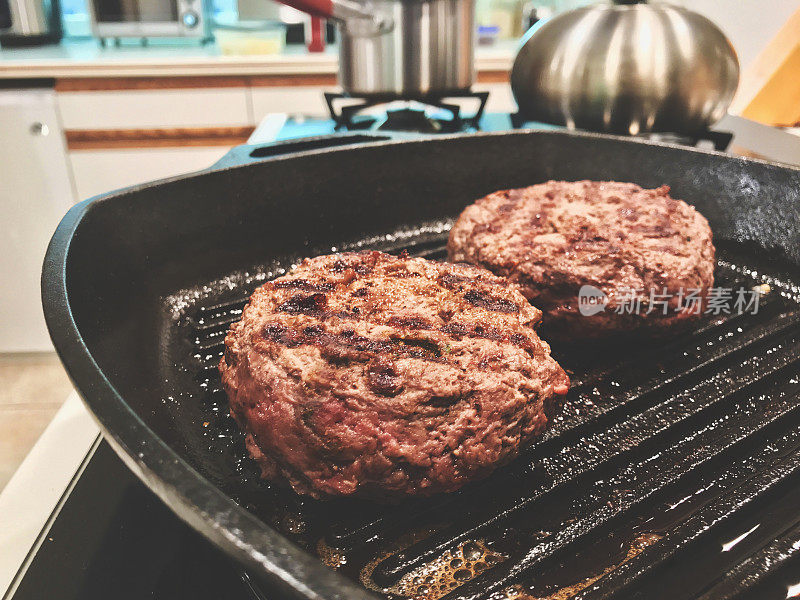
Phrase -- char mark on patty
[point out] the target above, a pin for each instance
(448, 401)
(453, 282)
(306, 304)
(476, 297)
(347, 346)
(489, 302)
(382, 377)
(304, 285)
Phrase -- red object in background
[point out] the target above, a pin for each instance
(317, 43)
(319, 8)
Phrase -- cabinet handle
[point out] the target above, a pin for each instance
(39, 128)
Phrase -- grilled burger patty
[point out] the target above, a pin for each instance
(639, 247)
(381, 376)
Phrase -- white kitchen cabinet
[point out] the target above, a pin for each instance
(501, 100)
(300, 100)
(100, 171)
(35, 192)
(156, 109)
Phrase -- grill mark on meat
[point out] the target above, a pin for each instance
(489, 302)
(313, 330)
(458, 331)
(411, 322)
(445, 314)
(482, 299)
(479, 331)
(453, 282)
(305, 285)
(447, 401)
(280, 334)
(306, 304)
(382, 377)
(427, 346)
(348, 347)
(454, 330)
(414, 323)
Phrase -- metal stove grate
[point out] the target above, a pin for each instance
(673, 471)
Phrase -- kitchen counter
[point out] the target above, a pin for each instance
(88, 59)
(162, 110)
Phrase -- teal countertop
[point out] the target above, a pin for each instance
(89, 59)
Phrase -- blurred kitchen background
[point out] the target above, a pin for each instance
(100, 94)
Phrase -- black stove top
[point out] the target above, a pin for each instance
(456, 113)
(114, 539)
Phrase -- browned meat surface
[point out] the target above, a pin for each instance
(626, 241)
(373, 375)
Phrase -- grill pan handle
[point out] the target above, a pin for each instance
(247, 153)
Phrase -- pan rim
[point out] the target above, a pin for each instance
(405, 139)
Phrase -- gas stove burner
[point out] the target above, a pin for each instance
(409, 119)
(716, 140)
(426, 114)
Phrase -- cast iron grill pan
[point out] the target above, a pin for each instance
(672, 471)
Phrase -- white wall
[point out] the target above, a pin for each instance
(749, 24)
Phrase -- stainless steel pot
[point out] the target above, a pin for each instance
(401, 48)
(626, 69)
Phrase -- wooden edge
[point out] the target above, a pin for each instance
(500, 76)
(762, 70)
(103, 84)
(293, 80)
(778, 101)
(111, 139)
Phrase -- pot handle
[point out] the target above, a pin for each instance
(315, 8)
(341, 10)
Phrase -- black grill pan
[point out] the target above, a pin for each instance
(673, 470)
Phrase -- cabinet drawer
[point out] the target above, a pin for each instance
(99, 171)
(132, 109)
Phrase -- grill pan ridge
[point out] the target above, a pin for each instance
(661, 459)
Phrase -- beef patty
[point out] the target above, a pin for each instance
(374, 375)
(647, 255)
